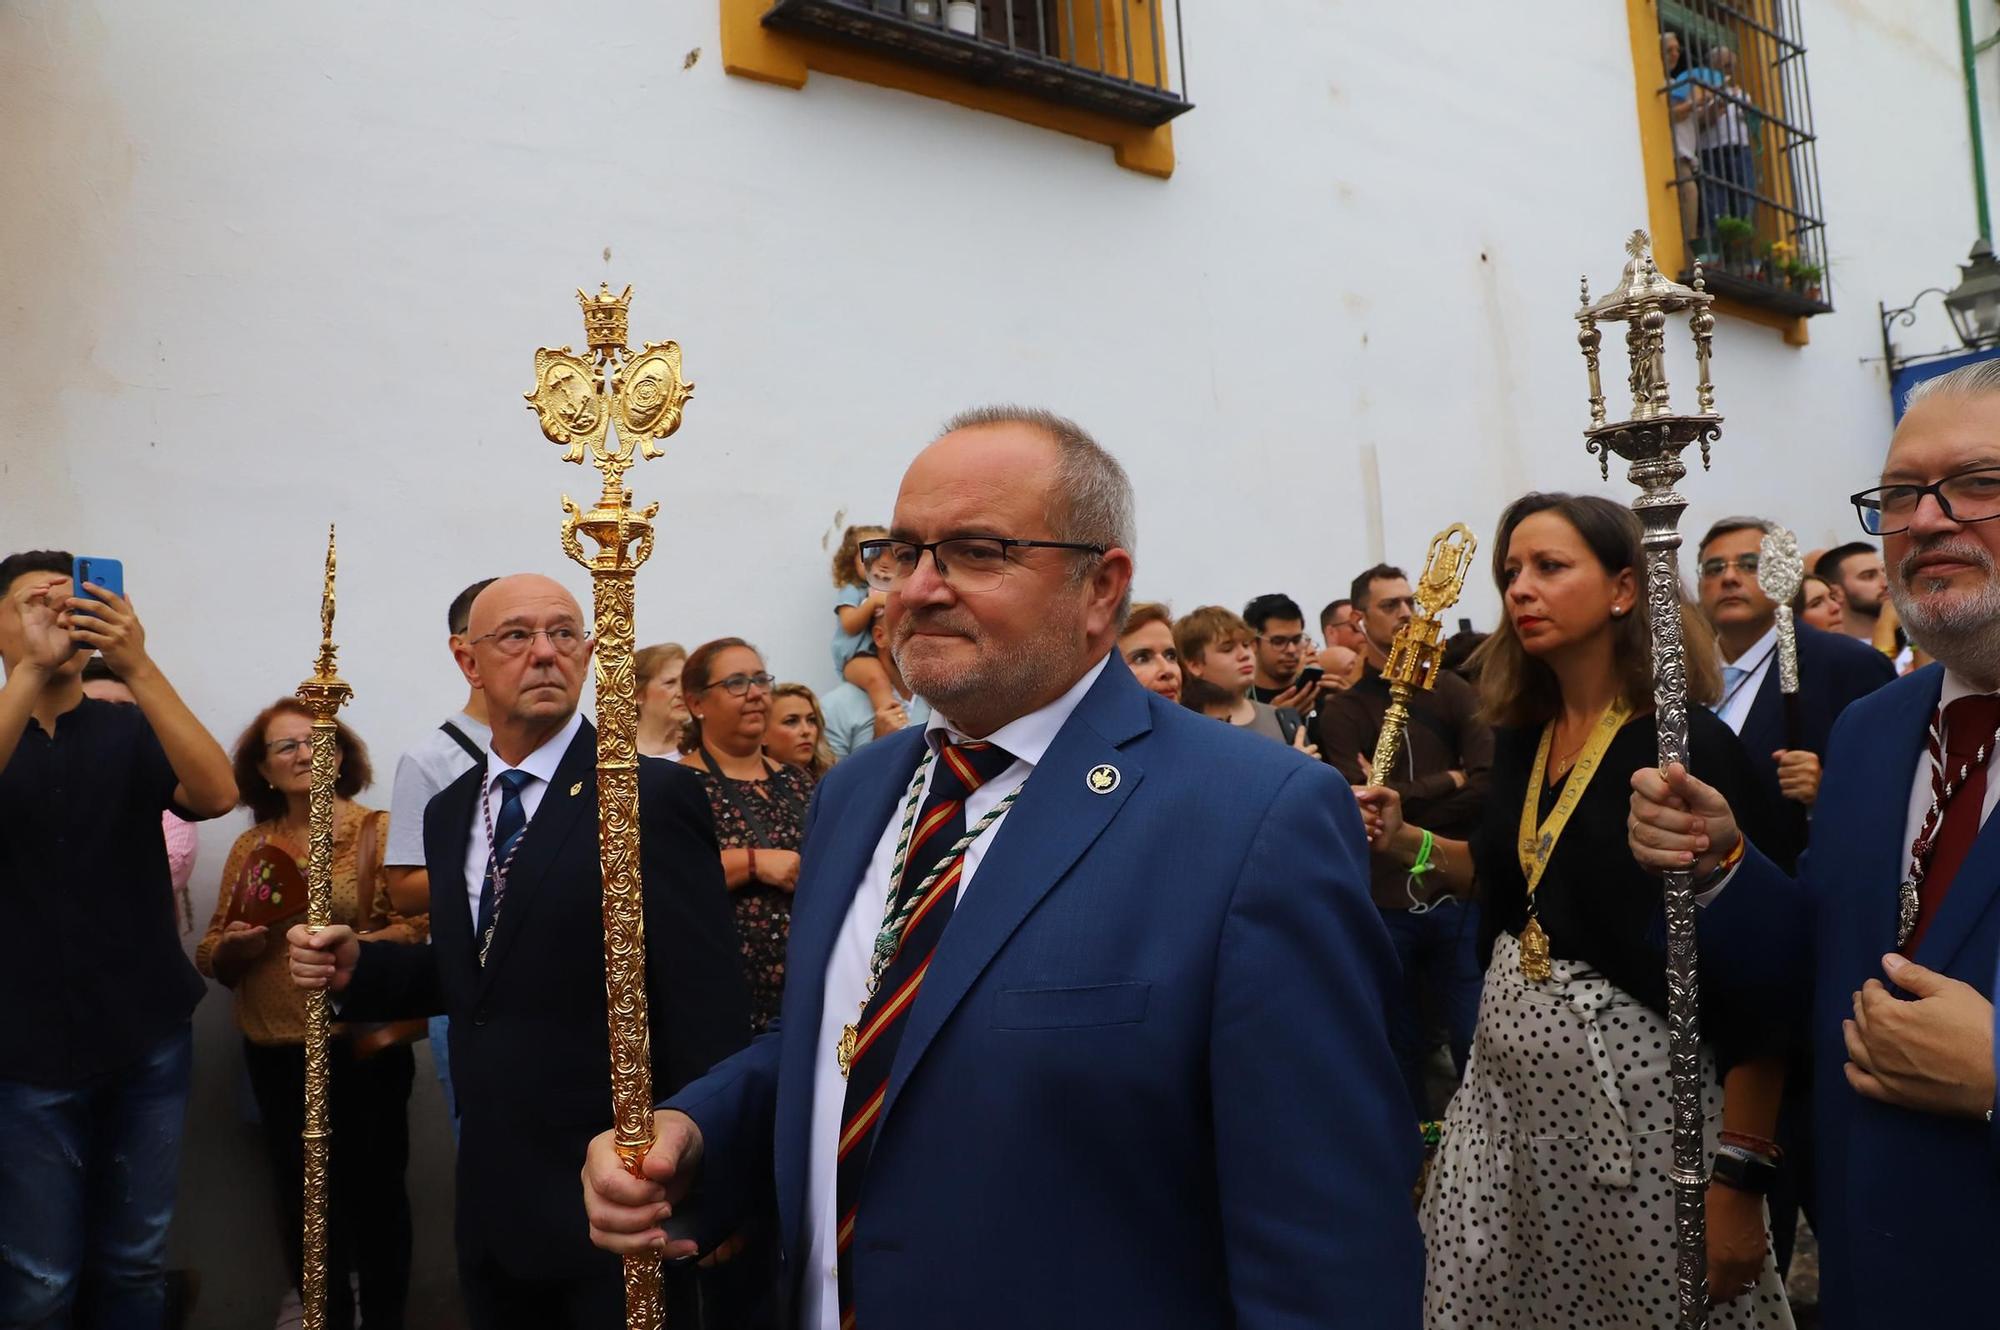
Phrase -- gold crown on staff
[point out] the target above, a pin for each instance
(606, 320)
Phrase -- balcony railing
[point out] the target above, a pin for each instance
(1745, 155)
(1120, 58)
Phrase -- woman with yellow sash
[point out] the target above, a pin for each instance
(1550, 1202)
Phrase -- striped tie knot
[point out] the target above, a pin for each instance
(964, 767)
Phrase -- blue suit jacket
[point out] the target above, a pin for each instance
(1834, 671)
(1909, 1203)
(1146, 1082)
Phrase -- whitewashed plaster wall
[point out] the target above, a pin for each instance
(266, 266)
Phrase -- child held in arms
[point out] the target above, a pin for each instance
(862, 594)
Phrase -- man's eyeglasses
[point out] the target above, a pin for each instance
(968, 563)
(737, 685)
(289, 747)
(1969, 496)
(1281, 640)
(516, 641)
(1746, 564)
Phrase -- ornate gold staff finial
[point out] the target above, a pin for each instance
(611, 407)
(323, 695)
(1417, 653)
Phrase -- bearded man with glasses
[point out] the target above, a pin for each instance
(1885, 943)
(1083, 1010)
(517, 962)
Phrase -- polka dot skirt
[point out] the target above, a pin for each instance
(1551, 1202)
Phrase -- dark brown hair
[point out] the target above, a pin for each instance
(695, 679)
(1363, 587)
(1198, 694)
(1517, 689)
(259, 795)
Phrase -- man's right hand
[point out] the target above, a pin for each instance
(1678, 822)
(40, 603)
(324, 959)
(626, 1213)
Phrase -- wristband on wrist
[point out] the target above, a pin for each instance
(753, 862)
(1744, 1171)
(1756, 1145)
(1722, 867)
(1422, 863)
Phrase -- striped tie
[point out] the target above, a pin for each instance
(961, 769)
(507, 829)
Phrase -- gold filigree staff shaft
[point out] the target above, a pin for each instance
(1417, 653)
(609, 407)
(323, 695)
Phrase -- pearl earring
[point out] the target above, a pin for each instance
(1617, 611)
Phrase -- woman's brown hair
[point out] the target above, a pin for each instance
(1515, 688)
(259, 795)
(695, 679)
(1145, 612)
(822, 758)
(846, 571)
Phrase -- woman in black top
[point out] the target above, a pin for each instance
(759, 805)
(1551, 1201)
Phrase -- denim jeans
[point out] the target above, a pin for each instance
(87, 1180)
(1439, 953)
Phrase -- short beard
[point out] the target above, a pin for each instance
(999, 682)
(1963, 630)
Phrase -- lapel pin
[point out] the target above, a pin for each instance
(1103, 779)
(576, 789)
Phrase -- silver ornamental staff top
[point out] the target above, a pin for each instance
(1651, 441)
(1780, 571)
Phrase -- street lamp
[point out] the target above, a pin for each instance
(1974, 307)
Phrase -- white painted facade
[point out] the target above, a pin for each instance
(266, 266)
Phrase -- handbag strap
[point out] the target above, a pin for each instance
(464, 740)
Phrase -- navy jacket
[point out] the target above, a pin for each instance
(1834, 670)
(1909, 1203)
(530, 1058)
(1146, 1082)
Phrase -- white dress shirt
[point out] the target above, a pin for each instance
(1028, 739)
(1920, 781)
(541, 767)
(1734, 708)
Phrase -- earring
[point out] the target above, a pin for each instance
(1617, 611)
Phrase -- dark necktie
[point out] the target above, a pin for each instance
(507, 829)
(940, 825)
(1969, 725)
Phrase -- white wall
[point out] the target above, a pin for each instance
(269, 266)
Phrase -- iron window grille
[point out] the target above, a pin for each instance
(1746, 164)
(1079, 53)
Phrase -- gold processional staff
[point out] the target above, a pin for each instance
(1417, 654)
(323, 695)
(611, 406)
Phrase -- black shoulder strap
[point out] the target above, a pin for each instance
(464, 740)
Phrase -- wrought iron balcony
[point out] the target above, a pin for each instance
(1120, 58)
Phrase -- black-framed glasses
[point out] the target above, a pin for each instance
(1281, 640)
(1746, 564)
(516, 641)
(1969, 496)
(968, 563)
(738, 685)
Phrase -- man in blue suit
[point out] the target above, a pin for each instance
(1785, 734)
(1908, 1161)
(1125, 1061)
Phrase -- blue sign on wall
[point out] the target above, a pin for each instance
(1909, 376)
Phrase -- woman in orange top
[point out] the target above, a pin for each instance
(369, 1087)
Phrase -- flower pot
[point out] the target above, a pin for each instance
(962, 16)
(1812, 292)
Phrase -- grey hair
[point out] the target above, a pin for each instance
(1090, 496)
(1966, 381)
(1729, 526)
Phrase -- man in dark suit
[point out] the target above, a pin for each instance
(1124, 1063)
(516, 960)
(1784, 735)
(1903, 1077)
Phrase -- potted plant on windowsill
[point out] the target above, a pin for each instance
(1806, 279)
(1733, 235)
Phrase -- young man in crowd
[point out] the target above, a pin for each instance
(1441, 768)
(95, 1048)
(1856, 573)
(456, 746)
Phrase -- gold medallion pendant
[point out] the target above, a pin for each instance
(1535, 953)
(843, 1053)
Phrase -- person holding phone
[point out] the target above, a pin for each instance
(96, 1048)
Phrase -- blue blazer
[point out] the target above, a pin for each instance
(1834, 671)
(1146, 1082)
(1909, 1203)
